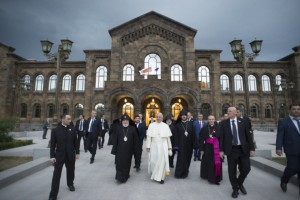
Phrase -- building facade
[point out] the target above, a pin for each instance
(152, 67)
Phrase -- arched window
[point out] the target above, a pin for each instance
(252, 83)
(52, 83)
(128, 73)
(39, 83)
(66, 83)
(26, 81)
(99, 109)
(23, 110)
(225, 108)
(152, 66)
(205, 110)
(203, 76)
(37, 110)
(224, 81)
(176, 73)
(101, 76)
(78, 110)
(266, 85)
(269, 111)
(278, 80)
(254, 111)
(50, 110)
(64, 109)
(80, 82)
(238, 83)
(26, 78)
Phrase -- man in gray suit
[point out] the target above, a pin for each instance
(288, 138)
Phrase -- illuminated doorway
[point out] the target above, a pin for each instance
(177, 104)
(128, 109)
(152, 109)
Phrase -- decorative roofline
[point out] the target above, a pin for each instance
(152, 29)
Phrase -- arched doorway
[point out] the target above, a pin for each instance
(126, 106)
(177, 104)
(152, 106)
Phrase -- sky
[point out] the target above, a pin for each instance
(23, 23)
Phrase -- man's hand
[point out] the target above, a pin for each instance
(77, 156)
(279, 152)
(221, 154)
(202, 152)
(252, 153)
(53, 161)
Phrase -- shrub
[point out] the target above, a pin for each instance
(14, 143)
(6, 125)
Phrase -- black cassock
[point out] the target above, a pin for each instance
(123, 150)
(208, 168)
(185, 145)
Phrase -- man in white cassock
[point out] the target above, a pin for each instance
(159, 147)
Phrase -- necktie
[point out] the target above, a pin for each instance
(80, 125)
(234, 133)
(91, 125)
(200, 124)
(298, 123)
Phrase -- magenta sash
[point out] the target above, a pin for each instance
(217, 159)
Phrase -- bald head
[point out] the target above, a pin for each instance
(232, 112)
(159, 117)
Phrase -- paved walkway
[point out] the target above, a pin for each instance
(97, 181)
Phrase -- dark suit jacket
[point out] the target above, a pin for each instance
(96, 128)
(197, 126)
(141, 130)
(288, 137)
(63, 143)
(244, 136)
(105, 124)
(77, 125)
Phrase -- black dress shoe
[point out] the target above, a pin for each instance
(283, 186)
(72, 188)
(235, 194)
(52, 198)
(243, 190)
(195, 159)
(162, 182)
(172, 166)
(138, 169)
(134, 166)
(91, 161)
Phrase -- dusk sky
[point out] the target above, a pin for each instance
(25, 22)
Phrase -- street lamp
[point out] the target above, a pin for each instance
(239, 54)
(285, 85)
(62, 54)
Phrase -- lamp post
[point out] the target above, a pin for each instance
(285, 85)
(62, 54)
(240, 55)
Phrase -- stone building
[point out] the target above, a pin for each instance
(152, 67)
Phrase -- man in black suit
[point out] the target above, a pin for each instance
(104, 128)
(237, 145)
(63, 150)
(79, 130)
(288, 137)
(141, 127)
(92, 134)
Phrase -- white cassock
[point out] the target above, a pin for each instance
(158, 140)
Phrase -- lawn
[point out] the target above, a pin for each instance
(280, 160)
(7, 162)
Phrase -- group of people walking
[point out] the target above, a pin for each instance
(208, 142)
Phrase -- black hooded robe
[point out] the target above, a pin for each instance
(123, 150)
(185, 145)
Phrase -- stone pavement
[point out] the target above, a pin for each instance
(96, 181)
